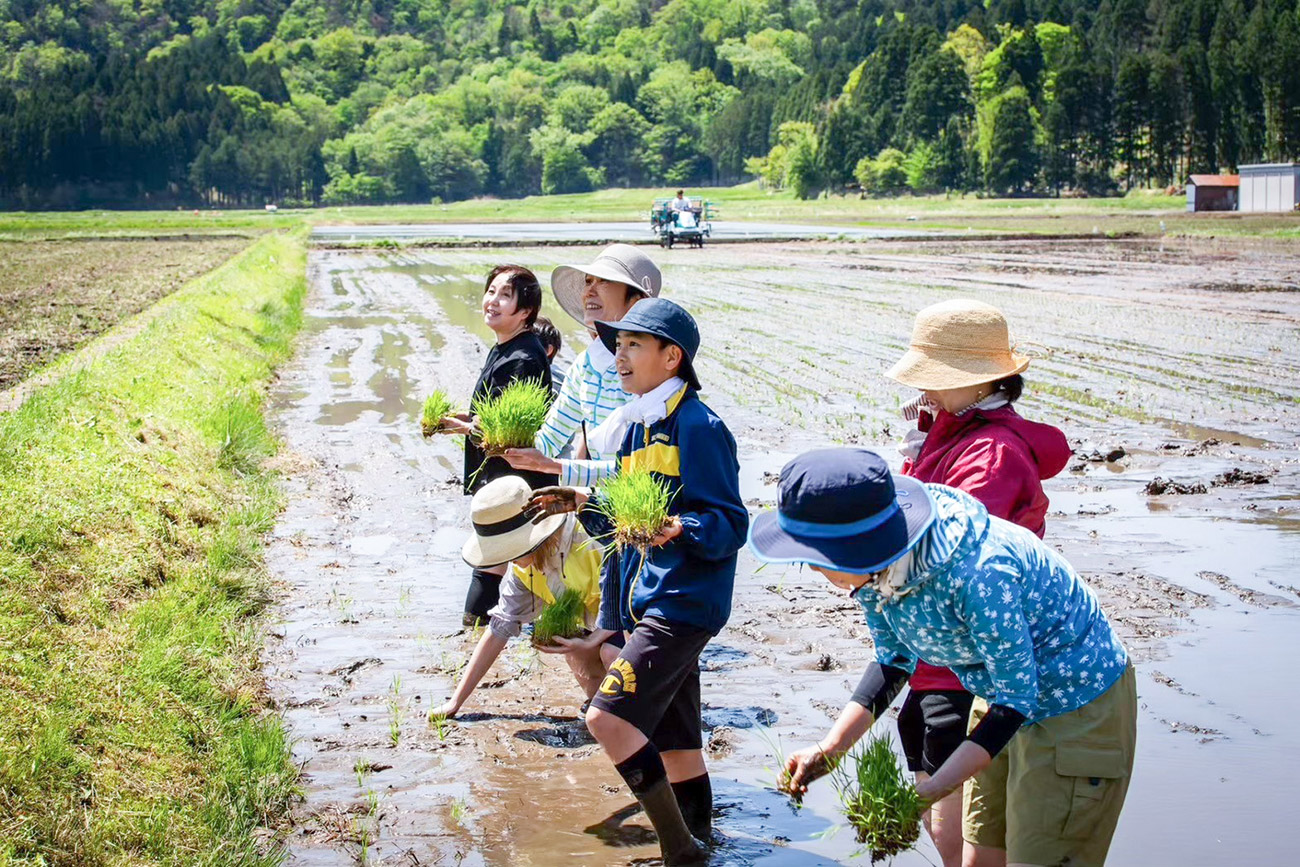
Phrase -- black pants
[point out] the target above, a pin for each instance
(484, 590)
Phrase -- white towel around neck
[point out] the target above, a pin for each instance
(599, 355)
(647, 409)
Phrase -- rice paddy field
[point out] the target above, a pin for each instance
(222, 642)
(1171, 365)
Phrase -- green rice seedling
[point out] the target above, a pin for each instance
(879, 801)
(563, 618)
(440, 725)
(512, 418)
(436, 407)
(637, 504)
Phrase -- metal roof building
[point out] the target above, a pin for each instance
(1270, 187)
(1212, 193)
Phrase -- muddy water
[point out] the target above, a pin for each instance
(1185, 355)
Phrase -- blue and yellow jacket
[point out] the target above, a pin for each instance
(689, 580)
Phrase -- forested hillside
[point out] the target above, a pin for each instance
(241, 102)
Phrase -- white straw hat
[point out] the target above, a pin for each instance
(503, 527)
(956, 344)
(621, 263)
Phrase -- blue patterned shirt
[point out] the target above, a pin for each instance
(1005, 612)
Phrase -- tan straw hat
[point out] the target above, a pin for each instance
(503, 528)
(621, 263)
(956, 344)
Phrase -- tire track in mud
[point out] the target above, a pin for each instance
(795, 338)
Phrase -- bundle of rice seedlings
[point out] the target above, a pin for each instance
(436, 408)
(512, 418)
(637, 504)
(880, 802)
(563, 618)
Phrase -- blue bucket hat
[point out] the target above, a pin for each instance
(842, 509)
(662, 318)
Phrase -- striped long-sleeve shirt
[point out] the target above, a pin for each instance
(587, 396)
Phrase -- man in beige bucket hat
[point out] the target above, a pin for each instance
(603, 290)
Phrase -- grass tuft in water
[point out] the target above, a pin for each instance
(637, 504)
(563, 618)
(879, 801)
(512, 418)
(437, 406)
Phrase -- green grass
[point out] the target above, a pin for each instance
(880, 803)
(1141, 211)
(32, 225)
(437, 406)
(637, 504)
(133, 500)
(563, 618)
(512, 418)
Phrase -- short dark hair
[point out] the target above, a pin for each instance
(528, 292)
(547, 333)
(1011, 387)
(681, 192)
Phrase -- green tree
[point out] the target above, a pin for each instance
(1012, 165)
(885, 175)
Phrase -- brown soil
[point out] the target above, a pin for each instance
(57, 295)
(1151, 356)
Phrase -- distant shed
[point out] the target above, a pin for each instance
(1212, 193)
(1270, 187)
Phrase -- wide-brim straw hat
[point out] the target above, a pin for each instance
(956, 344)
(621, 263)
(503, 526)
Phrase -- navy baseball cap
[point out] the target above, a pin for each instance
(842, 509)
(662, 318)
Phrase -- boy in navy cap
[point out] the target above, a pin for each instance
(674, 598)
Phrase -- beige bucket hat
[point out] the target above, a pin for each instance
(956, 344)
(503, 526)
(621, 263)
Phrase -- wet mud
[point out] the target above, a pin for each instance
(1177, 361)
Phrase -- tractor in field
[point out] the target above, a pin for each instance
(673, 225)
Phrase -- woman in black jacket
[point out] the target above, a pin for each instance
(512, 298)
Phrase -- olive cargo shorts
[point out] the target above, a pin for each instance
(1054, 795)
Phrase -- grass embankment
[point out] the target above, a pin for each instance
(132, 502)
(51, 225)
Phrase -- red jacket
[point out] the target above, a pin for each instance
(1000, 459)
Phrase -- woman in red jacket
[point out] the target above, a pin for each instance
(968, 436)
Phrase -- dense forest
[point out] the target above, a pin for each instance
(245, 102)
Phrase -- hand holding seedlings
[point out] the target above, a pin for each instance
(461, 423)
(670, 531)
(585, 644)
(805, 766)
(556, 500)
(531, 459)
(437, 412)
(446, 710)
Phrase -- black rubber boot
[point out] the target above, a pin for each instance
(676, 843)
(695, 799)
(643, 771)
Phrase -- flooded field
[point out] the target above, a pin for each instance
(1174, 367)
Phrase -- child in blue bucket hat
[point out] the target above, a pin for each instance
(673, 598)
(940, 579)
